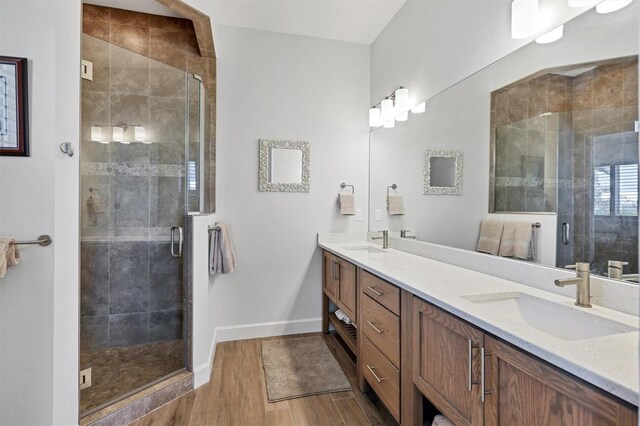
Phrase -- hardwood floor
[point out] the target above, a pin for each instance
(236, 396)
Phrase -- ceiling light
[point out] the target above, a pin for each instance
(96, 134)
(609, 6)
(374, 117)
(420, 108)
(553, 35)
(524, 18)
(582, 3)
(139, 134)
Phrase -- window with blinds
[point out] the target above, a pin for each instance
(192, 177)
(615, 190)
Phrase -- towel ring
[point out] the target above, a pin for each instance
(344, 185)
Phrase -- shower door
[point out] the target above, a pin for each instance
(139, 177)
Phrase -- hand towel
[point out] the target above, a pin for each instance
(516, 240)
(347, 204)
(441, 420)
(490, 235)
(9, 254)
(222, 257)
(396, 204)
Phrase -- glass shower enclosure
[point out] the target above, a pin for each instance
(141, 150)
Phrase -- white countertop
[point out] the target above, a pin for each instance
(609, 362)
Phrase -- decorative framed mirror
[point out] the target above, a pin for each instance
(442, 172)
(283, 166)
(14, 123)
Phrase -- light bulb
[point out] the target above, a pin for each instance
(403, 116)
(139, 133)
(374, 117)
(402, 100)
(524, 18)
(420, 108)
(553, 35)
(118, 134)
(389, 124)
(609, 6)
(386, 110)
(96, 134)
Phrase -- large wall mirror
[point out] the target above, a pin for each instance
(548, 137)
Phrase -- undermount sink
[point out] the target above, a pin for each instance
(562, 322)
(364, 249)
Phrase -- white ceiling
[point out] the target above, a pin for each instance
(358, 21)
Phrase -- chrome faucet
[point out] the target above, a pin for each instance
(615, 268)
(404, 232)
(582, 283)
(384, 238)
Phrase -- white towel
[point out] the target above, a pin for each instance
(490, 235)
(516, 240)
(441, 420)
(222, 256)
(347, 204)
(9, 254)
(343, 317)
(396, 204)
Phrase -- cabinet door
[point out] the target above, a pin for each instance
(526, 390)
(331, 276)
(347, 289)
(446, 363)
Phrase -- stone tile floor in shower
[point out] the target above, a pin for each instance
(118, 371)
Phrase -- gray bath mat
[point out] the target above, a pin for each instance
(299, 367)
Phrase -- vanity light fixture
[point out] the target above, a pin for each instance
(394, 107)
(524, 18)
(420, 108)
(401, 104)
(608, 6)
(375, 120)
(139, 134)
(118, 135)
(96, 134)
(553, 35)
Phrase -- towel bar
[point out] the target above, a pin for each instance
(536, 225)
(213, 228)
(43, 240)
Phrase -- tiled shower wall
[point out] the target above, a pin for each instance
(131, 285)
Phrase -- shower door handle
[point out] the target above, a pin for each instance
(180, 240)
(565, 233)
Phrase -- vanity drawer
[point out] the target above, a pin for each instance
(382, 376)
(382, 327)
(386, 294)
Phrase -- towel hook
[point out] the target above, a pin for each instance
(344, 185)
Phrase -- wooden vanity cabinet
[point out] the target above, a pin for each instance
(527, 390)
(446, 356)
(519, 389)
(340, 284)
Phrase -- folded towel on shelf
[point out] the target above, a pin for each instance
(9, 254)
(222, 257)
(347, 204)
(490, 235)
(396, 204)
(342, 316)
(441, 420)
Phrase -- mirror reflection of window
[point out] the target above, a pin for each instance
(285, 165)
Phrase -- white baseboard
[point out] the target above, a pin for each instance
(202, 373)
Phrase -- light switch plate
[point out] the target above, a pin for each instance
(359, 215)
(86, 70)
(378, 214)
(637, 126)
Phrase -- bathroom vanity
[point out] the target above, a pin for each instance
(480, 349)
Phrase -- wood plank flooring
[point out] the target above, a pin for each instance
(236, 396)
